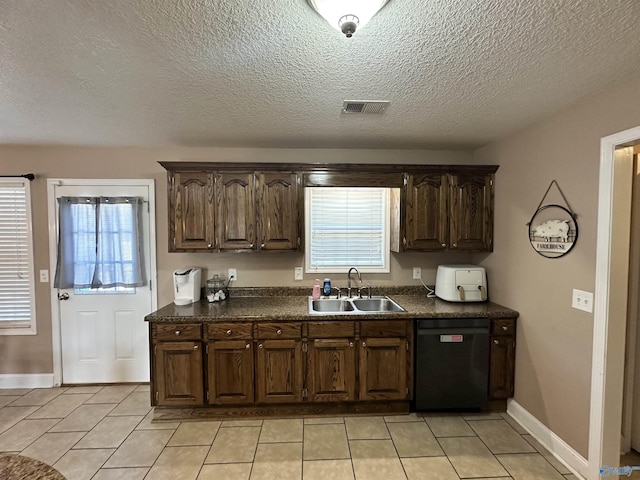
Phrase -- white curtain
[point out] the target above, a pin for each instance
(99, 242)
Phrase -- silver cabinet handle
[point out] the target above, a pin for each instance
(178, 332)
(262, 245)
(247, 346)
(505, 328)
(497, 342)
(260, 345)
(279, 331)
(209, 245)
(195, 347)
(229, 332)
(351, 344)
(63, 296)
(251, 245)
(364, 344)
(444, 245)
(455, 245)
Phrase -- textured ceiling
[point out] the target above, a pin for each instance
(272, 73)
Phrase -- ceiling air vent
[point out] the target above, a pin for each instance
(365, 106)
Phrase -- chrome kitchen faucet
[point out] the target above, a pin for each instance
(349, 280)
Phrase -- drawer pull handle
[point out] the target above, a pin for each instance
(229, 332)
(247, 346)
(178, 332)
(279, 331)
(195, 347)
(260, 345)
(444, 245)
(497, 342)
(351, 344)
(505, 328)
(209, 245)
(364, 344)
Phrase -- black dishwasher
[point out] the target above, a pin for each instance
(451, 363)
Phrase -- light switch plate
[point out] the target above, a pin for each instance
(297, 273)
(44, 276)
(582, 300)
(233, 275)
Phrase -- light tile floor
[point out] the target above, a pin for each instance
(106, 433)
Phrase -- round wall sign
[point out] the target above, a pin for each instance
(553, 231)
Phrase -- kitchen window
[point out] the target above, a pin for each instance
(17, 304)
(346, 227)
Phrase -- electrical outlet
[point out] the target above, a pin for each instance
(44, 276)
(582, 300)
(233, 275)
(297, 273)
(417, 273)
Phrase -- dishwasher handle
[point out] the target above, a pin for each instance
(453, 331)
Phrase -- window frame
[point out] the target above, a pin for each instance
(386, 239)
(8, 327)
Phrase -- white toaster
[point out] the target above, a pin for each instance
(461, 283)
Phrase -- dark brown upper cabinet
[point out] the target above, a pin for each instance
(471, 212)
(191, 212)
(426, 226)
(280, 211)
(260, 206)
(434, 212)
(235, 211)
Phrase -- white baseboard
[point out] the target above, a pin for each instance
(552, 442)
(26, 380)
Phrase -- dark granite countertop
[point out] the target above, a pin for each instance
(279, 304)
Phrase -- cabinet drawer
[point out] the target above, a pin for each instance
(229, 330)
(331, 329)
(503, 326)
(278, 330)
(178, 331)
(384, 328)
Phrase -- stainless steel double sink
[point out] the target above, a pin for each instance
(351, 306)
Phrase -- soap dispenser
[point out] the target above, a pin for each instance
(316, 290)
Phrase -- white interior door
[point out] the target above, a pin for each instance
(103, 335)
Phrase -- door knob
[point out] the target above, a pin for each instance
(63, 296)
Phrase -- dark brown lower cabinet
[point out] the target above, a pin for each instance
(502, 346)
(383, 369)
(178, 378)
(279, 371)
(330, 363)
(230, 372)
(331, 374)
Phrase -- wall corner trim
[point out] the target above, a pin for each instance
(552, 442)
(26, 380)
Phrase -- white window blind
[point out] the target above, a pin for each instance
(347, 227)
(17, 310)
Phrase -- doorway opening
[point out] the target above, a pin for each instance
(610, 312)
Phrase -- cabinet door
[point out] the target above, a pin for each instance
(235, 211)
(426, 222)
(178, 373)
(230, 372)
(383, 369)
(332, 370)
(191, 212)
(471, 212)
(279, 211)
(501, 366)
(279, 371)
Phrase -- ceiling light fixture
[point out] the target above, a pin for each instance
(347, 15)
